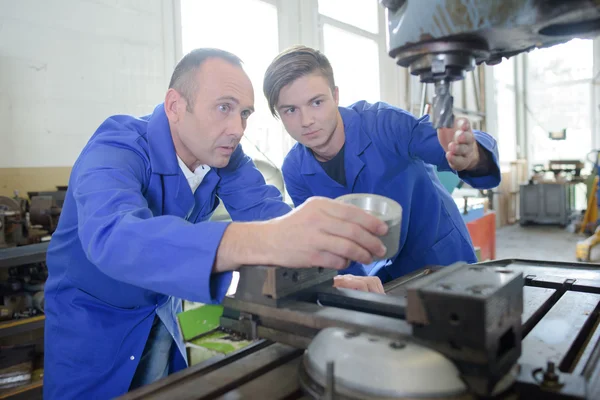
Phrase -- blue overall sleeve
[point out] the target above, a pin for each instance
(417, 138)
(124, 240)
(244, 192)
(296, 188)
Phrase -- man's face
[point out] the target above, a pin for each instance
(224, 101)
(309, 110)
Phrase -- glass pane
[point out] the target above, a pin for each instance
(355, 63)
(237, 26)
(360, 13)
(552, 109)
(505, 72)
(504, 92)
(559, 91)
(569, 61)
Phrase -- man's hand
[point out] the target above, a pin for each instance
(324, 233)
(462, 150)
(320, 233)
(364, 283)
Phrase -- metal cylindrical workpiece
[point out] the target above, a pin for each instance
(384, 208)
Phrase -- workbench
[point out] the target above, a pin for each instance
(561, 309)
(24, 332)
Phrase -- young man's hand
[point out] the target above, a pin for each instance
(370, 284)
(462, 150)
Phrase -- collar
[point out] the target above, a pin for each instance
(356, 140)
(163, 159)
(200, 171)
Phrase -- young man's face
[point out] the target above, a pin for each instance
(224, 101)
(309, 110)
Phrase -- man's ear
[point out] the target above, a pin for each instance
(175, 104)
(336, 96)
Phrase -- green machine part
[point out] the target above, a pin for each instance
(203, 338)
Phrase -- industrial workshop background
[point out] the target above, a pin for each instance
(66, 65)
(63, 70)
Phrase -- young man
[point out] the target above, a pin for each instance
(381, 149)
(134, 236)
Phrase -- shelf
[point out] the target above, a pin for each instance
(22, 255)
(13, 327)
(30, 391)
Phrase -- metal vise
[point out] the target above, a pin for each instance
(470, 314)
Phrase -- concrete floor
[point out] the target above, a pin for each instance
(537, 242)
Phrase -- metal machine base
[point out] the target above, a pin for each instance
(559, 359)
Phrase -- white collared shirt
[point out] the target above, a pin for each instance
(168, 311)
(194, 178)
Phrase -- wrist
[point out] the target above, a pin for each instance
(243, 243)
(480, 166)
(477, 159)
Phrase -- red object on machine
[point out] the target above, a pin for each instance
(483, 235)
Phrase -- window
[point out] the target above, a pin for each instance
(566, 62)
(355, 63)
(359, 13)
(351, 41)
(553, 109)
(559, 96)
(504, 92)
(249, 29)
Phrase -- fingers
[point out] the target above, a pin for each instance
(329, 260)
(370, 284)
(464, 137)
(373, 284)
(350, 282)
(345, 248)
(377, 285)
(355, 215)
(358, 235)
(457, 163)
(460, 150)
(330, 234)
(462, 124)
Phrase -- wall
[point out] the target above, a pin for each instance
(65, 66)
(68, 64)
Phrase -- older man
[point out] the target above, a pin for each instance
(135, 237)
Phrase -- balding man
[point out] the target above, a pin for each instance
(134, 237)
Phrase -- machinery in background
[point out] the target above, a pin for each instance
(549, 196)
(45, 208)
(22, 291)
(590, 223)
(25, 221)
(272, 175)
(13, 221)
(441, 40)
(23, 274)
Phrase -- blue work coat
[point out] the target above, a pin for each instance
(131, 238)
(391, 153)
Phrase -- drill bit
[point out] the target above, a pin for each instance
(443, 117)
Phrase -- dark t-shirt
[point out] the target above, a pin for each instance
(335, 167)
